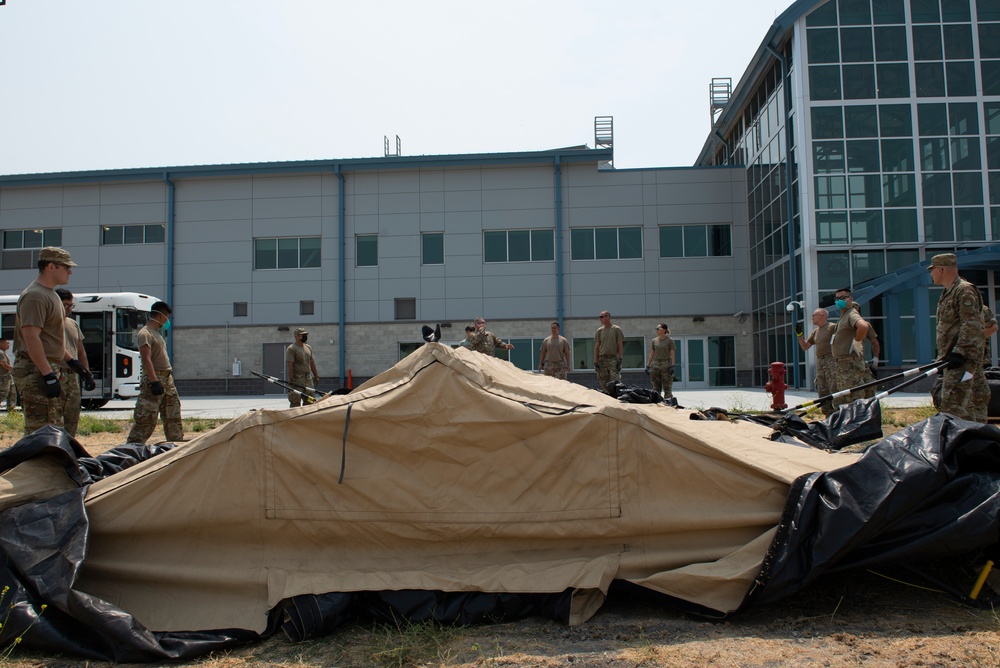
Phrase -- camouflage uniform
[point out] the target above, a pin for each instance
(989, 320)
(609, 365)
(555, 353)
(850, 368)
(661, 371)
(960, 330)
(301, 358)
(70, 380)
(485, 342)
(39, 306)
(7, 392)
(826, 367)
(869, 375)
(148, 405)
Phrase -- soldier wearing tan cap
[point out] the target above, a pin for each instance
(300, 366)
(960, 341)
(40, 343)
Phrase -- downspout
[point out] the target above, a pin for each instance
(341, 273)
(560, 304)
(169, 297)
(793, 284)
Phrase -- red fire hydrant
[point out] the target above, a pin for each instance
(776, 386)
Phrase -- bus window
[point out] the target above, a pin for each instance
(128, 322)
(7, 328)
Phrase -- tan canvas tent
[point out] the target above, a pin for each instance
(457, 472)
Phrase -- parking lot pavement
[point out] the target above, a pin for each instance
(733, 399)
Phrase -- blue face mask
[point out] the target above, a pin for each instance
(165, 326)
(841, 304)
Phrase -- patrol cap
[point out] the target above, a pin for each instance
(55, 256)
(943, 260)
(301, 330)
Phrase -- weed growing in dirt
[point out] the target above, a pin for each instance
(198, 425)
(7, 651)
(11, 423)
(90, 424)
(904, 417)
(409, 644)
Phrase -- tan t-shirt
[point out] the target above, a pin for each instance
(73, 336)
(149, 336)
(821, 337)
(39, 306)
(556, 349)
(301, 359)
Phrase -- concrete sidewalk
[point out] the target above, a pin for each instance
(732, 399)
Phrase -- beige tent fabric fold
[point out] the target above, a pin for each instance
(461, 473)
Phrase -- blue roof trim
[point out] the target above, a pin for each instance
(775, 36)
(295, 167)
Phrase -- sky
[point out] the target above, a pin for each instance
(117, 84)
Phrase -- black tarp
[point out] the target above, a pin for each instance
(929, 491)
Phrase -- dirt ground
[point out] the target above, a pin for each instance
(887, 619)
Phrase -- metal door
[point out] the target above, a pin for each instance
(274, 365)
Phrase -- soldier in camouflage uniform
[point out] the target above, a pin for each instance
(70, 378)
(660, 362)
(6, 378)
(157, 393)
(300, 366)
(554, 355)
(608, 351)
(960, 334)
(826, 367)
(486, 342)
(872, 364)
(846, 348)
(40, 343)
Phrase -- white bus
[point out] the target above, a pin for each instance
(110, 322)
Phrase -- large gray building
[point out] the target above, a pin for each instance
(364, 251)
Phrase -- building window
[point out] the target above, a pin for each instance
(307, 307)
(406, 308)
(408, 347)
(606, 243)
(116, 235)
(286, 253)
(525, 353)
(519, 246)
(366, 250)
(721, 361)
(20, 247)
(432, 248)
(696, 241)
(633, 352)
(240, 309)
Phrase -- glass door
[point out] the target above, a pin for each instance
(690, 363)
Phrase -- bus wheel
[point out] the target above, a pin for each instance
(93, 404)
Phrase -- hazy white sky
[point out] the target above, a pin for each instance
(109, 84)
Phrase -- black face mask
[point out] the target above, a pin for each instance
(305, 337)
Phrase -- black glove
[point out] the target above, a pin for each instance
(50, 385)
(618, 365)
(77, 366)
(88, 381)
(597, 366)
(647, 369)
(798, 331)
(156, 388)
(954, 360)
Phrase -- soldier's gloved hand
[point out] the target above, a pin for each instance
(88, 381)
(597, 365)
(618, 365)
(955, 360)
(50, 385)
(647, 369)
(156, 388)
(873, 364)
(798, 331)
(77, 366)
(315, 381)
